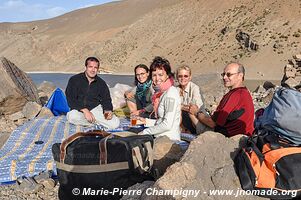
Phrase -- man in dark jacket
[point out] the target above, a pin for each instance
(89, 98)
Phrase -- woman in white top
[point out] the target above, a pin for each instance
(190, 94)
(166, 102)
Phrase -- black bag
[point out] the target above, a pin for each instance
(270, 166)
(97, 165)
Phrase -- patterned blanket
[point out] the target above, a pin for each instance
(27, 152)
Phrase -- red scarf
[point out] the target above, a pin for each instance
(158, 92)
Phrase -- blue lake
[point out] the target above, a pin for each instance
(61, 80)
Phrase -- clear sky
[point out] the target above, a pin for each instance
(30, 10)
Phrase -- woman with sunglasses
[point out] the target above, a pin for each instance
(190, 95)
(139, 99)
(166, 102)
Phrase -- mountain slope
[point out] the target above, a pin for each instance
(124, 34)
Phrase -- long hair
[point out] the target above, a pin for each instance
(143, 66)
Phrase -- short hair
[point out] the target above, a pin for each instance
(93, 59)
(143, 66)
(161, 63)
(183, 67)
(241, 69)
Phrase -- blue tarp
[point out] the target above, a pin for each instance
(57, 103)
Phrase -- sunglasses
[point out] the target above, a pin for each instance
(228, 74)
(181, 76)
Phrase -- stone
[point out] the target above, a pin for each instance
(206, 165)
(268, 96)
(268, 84)
(16, 116)
(45, 112)
(292, 62)
(260, 89)
(298, 79)
(48, 183)
(17, 88)
(291, 82)
(20, 121)
(297, 57)
(166, 153)
(290, 71)
(31, 110)
(45, 90)
(245, 40)
(138, 187)
(225, 30)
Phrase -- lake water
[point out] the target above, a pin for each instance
(61, 80)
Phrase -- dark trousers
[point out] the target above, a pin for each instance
(187, 123)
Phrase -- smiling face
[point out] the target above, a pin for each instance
(91, 69)
(184, 77)
(159, 76)
(232, 78)
(141, 75)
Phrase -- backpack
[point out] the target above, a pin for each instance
(99, 162)
(269, 166)
(282, 116)
(57, 103)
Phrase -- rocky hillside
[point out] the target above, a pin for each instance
(203, 34)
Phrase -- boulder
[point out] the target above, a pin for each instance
(166, 153)
(268, 84)
(245, 40)
(290, 71)
(45, 90)
(260, 89)
(297, 57)
(16, 116)
(45, 112)
(206, 166)
(141, 187)
(31, 110)
(6, 125)
(16, 88)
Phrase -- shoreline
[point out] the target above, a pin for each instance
(131, 73)
(73, 72)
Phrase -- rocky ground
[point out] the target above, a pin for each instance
(7, 125)
(190, 168)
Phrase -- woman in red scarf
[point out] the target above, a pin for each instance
(166, 102)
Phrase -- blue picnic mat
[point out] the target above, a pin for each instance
(27, 152)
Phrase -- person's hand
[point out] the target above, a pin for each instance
(141, 120)
(136, 112)
(185, 107)
(88, 115)
(108, 114)
(129, 95)
(193, 109)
